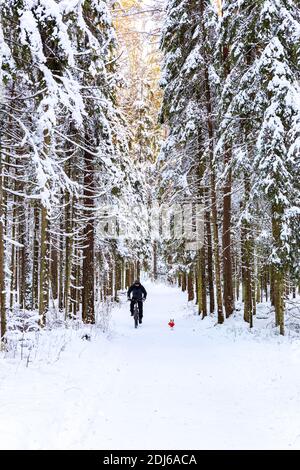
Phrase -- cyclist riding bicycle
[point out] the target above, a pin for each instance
(139, 294)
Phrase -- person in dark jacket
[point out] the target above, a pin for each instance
(138, 293)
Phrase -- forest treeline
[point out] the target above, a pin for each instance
(231, 79)
(67, 161)
(81, 142)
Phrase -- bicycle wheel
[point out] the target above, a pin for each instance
(136, 315)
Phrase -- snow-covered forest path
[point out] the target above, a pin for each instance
(199, 386)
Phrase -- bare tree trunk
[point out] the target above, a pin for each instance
(74, 284)
(132, 273)
(254, 278)
(118, 276)
(266, 277)
(237, 272)
(155, 260)
(138, 269)
(258, 283)
(190, 285)
(279, 298)
(210, 279)
(44, 268)
(278, 270)
(104, 286)
(25, 284)
(226, 244)
(61, 267)
(16, 278)
(88, 307)
(54, 267)
(36, 251)
(183, 282)
(202, 279)
(201, 285)
(122, 274)
(2, 278)
(248, 307)
(78, 271)
(196, 284)
(247, 257)
(127, 275)
(68, 254)
(13, 263)
(216, 250)
(272, 289)
(109, 290)
(21, 258)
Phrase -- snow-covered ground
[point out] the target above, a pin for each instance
(200, 386)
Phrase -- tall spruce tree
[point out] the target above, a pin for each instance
(187, 159)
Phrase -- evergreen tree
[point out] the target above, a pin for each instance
(261, 113)
(187, 158)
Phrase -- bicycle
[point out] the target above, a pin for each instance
(136, 312)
